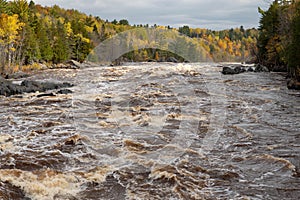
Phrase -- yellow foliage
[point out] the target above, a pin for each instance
(61, 20)
(9, 28)
(89, 29)
(83, 38)
(68, 28)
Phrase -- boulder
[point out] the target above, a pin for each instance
(234, 70)
(73, 64)
(239, 69)
(43, 66)
(228, 70)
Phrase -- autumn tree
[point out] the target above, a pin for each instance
(10, 26)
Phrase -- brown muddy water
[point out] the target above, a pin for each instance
(152, 131)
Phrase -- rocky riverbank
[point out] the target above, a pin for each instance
(292, 84)
(8, 88)
(19, 83)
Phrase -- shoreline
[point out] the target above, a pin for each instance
(19, 82)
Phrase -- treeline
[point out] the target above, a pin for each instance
(31, 33)
(236, 45)
(279, 40)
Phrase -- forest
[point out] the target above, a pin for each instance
(279, 38)
(31, 33)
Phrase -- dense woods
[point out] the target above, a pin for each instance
(31, 33)
(279, 37)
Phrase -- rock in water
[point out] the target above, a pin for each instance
(239, 69)
(64, 91)
(46, 95)
(8, 88)
(228, 70)
(250, 69)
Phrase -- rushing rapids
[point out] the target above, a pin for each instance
(152, 131)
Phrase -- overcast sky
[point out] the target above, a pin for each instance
(212, 14)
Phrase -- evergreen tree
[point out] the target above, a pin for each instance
(3, 6)
(61, 46)
(294, 47)
(44, 43)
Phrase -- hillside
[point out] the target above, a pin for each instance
(31, 33)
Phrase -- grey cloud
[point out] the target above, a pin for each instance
(217, 14)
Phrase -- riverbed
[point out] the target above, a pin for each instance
(152, 131)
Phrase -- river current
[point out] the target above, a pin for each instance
(152, 131)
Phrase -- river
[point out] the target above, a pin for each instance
(152, 131)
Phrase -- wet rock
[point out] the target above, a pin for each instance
(152, 60)
(250, 69)
(261, 68)
(172, 59)
(7, 88)
(229, 70)
(46, 95)
(293, 84)
(239, 69)
(64, 91)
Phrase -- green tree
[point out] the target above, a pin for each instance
(21, 8)
(294, 47)
(44, 42)
(31, 51)
(3, 6)
(124, 22)
(185, 30)
(61, 49)
(269, 24)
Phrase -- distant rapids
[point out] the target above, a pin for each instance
(152, 131)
